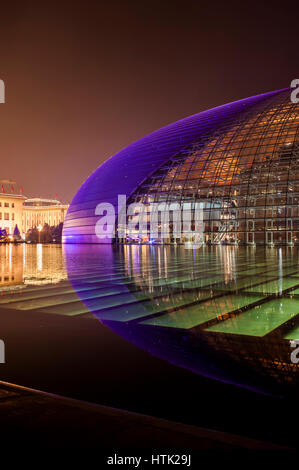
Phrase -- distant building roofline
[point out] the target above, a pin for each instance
(41, 199)
(14, 195)
(46, 207)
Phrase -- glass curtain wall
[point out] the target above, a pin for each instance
(245, 174)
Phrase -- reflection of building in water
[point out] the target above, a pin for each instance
(21, 265)
(225, 312)
(11, 265)
(11, 206)
(183, 296)
(39, 211)
(43, 264)
(139, 264)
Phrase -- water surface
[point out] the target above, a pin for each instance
(160, 330)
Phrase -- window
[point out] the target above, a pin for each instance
(6, 216)
(6, 204)
(12, 204)
(12, 216)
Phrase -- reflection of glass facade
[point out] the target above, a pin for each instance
(224, 312)
(246, 175)
(241, 161)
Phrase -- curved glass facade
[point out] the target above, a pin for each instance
(240, 161)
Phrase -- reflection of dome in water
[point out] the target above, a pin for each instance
(240, 160)
(224, 312)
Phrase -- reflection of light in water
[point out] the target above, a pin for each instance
(44, 265)
(10, 257)
(159, 264)
(136, 257)
(280, 270)
(39, 257)
(24, 255)
(227, 256)
(10, 265)
(145, 256)
(165, 263)
(30, 264)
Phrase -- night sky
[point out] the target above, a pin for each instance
(84, 81)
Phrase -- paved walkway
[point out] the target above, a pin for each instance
(30, 416)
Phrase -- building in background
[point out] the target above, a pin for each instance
(11, 206)
(18, 210)
(38, 212)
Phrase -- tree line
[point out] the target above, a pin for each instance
(48, 234)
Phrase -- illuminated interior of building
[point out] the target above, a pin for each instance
(246, 175)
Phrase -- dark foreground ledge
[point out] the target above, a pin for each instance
(31, 416)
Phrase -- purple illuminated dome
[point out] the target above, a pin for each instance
(241, 160)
